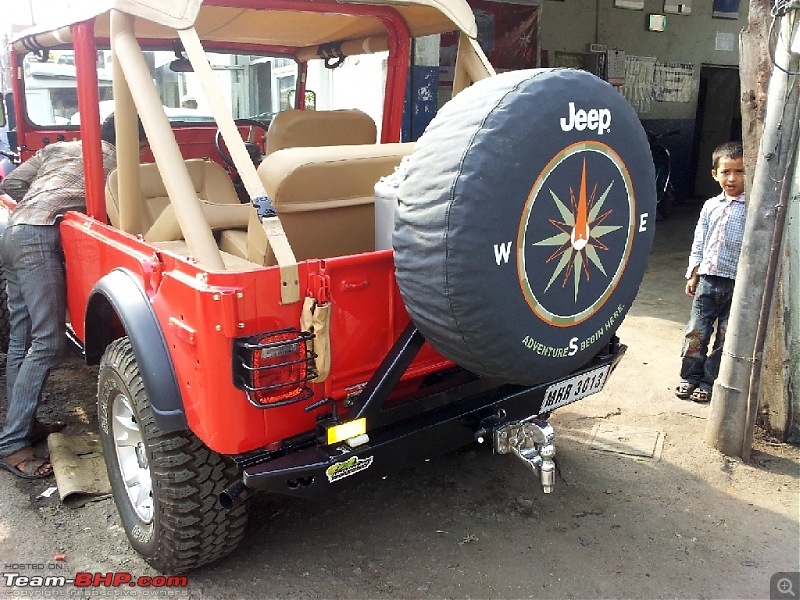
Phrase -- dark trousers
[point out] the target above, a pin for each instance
(37, 311)
(710, 310)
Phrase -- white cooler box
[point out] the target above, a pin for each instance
(385, 205)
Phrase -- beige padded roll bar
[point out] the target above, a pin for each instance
(471, 64)
(290, 279)
(368, 45)
(165, 149)
(127, 143)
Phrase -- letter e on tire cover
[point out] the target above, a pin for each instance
(524, 223)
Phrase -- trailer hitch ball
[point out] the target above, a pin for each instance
(547, 470)
(531, 441)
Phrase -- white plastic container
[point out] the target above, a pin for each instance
(385, 205)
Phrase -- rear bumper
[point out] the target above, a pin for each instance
(463, 414)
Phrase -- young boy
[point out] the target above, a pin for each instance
(711, 274)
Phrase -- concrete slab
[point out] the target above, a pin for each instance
(627, 440)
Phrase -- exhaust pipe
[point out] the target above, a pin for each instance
(234, 495)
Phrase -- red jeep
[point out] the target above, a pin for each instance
(263, 320)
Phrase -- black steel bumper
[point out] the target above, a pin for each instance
(448, 415)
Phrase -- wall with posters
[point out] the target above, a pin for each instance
(666, 72)
(508, 32)
(707, 33)
(673, 77)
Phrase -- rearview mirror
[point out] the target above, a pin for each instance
(310, 100)
(181, 65)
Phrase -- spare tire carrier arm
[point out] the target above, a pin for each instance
(369, 402)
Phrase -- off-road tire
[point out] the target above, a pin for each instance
(187, 527)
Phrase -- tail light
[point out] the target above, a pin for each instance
(274, 368)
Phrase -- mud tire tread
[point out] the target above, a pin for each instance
(190, 527)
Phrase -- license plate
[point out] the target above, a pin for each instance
(575, 388)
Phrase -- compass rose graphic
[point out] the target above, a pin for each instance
(576, 233)
(581, 228)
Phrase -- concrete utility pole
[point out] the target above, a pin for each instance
(735, 398)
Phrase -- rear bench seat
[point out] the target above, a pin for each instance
(325, 197)
(156, 219)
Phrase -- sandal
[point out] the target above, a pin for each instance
(685, 389)
(32, 465)
(42, 430)
(702, 394)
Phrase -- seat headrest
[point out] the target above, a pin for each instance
(206, 176)
(292, 128)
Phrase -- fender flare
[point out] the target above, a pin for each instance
(125, 297)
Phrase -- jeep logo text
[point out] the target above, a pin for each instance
(595, 119)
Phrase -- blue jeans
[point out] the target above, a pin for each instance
(710, 308)
(36, 287)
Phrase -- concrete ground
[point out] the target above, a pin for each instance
(643, 507)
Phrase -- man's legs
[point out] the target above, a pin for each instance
(37, 307)
(19, 319)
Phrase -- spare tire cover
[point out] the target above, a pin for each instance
(524, 223)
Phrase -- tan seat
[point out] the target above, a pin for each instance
(293, 128)
(157, 221)
(325, 199)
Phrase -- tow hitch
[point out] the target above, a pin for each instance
(532, 441)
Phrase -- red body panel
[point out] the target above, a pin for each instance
(200, 314)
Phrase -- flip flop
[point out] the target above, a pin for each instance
(702, 394)
(685, 389)
(32, 464)
(42, 430)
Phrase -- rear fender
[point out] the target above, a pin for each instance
(119, 295)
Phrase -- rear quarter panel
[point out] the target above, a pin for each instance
(201, 314)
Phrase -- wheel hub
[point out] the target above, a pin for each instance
(134, 468)
(141, 456)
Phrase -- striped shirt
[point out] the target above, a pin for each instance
(718, 237)
(50, 183)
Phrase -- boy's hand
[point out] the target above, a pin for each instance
(691, 285)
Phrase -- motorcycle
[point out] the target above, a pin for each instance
(665, 193)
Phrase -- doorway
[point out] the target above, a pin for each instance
(718, 120)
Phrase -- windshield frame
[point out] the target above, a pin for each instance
(178, 116)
